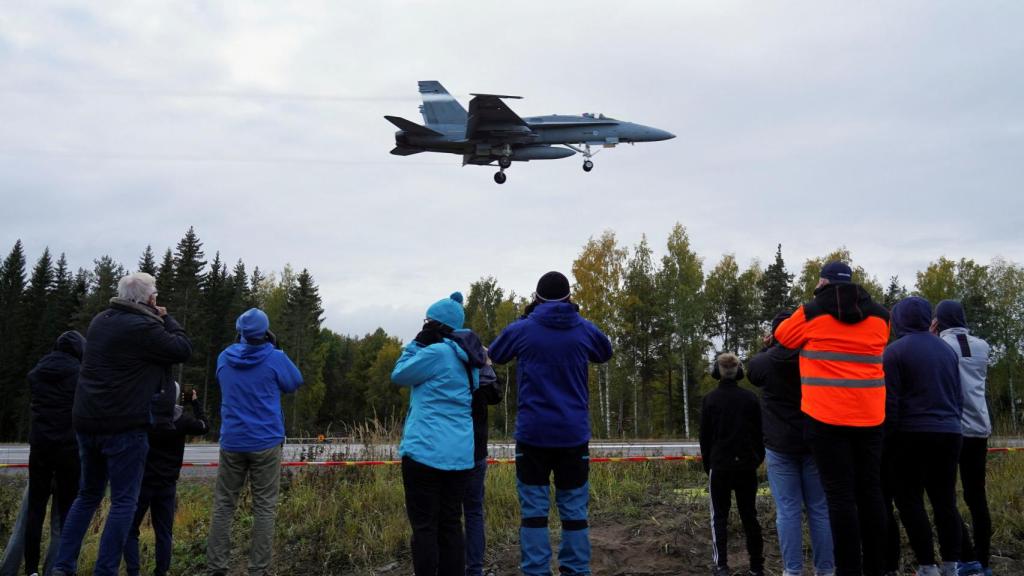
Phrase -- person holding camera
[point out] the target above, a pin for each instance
(442, 368)
(159, 490)
(554, 346)
(124, 389)
(253, 374)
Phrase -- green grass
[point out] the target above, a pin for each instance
(352, 520)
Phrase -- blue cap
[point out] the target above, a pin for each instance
(448, 311)
(837, 272)
(252, 324)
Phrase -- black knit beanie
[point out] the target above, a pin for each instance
(553, 287)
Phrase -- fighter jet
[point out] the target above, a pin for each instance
(492, 133)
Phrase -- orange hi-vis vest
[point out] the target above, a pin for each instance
(841, 375)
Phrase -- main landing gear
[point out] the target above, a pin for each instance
(503, 163)
(588, 165)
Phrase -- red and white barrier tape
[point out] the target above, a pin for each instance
(365, 463)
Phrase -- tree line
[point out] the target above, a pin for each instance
(666, 317)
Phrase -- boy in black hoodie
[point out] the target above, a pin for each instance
(732, 448)
(160, 484)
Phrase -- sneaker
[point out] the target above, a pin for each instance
(949, 569)
(970, 569)
(721, 571)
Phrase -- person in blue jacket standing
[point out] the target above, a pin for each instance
(924, 404)
(253, 374)
(442, 368)
(553, 346)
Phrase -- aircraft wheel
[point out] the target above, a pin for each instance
(504, 161)
(588, 166)
(500, 177)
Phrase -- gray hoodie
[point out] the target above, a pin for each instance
(973, 354)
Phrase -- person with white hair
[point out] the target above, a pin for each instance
(124, 389)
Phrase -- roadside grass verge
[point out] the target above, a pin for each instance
(352, 520)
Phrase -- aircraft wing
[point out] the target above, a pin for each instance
(491, 119)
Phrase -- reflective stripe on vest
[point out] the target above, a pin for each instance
(840, 356)
(843, 382)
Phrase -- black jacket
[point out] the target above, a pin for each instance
(485, 395)
(52, 386)
(125, 382)
(776, 371)
(730, 429)
(167, 448)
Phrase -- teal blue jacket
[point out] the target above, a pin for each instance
(439, 426)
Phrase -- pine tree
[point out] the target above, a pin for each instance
(256, 289)
(103, 281)
(147, 263)
(301, 318)
(12, 288)
(12, 284)
(776, 288)
(214, 332)
(893, 293)
(32, 329)
(165, 277)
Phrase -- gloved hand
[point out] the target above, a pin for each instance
(429, 336)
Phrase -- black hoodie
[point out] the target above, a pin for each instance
(730, 429)
(52, 385)
(776, 371)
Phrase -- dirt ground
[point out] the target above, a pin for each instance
(669, 539)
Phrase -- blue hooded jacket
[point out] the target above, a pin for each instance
(252, 379)
(553, 346)
(439, 425)
(922, 377)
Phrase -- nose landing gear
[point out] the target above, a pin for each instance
(584, 149)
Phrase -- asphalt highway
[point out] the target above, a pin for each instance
(204, 454)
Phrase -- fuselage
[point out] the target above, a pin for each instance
(540, 131)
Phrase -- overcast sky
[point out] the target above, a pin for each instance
(895, 129)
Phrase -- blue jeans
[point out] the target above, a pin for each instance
(10, 561)
(473, 511)
(160, 502)
(119, 459)
(796, 487)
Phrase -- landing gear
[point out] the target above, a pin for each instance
(500, 177)
(584, 149)
(504, 162)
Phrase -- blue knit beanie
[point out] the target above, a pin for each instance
(252, 324)
(448, 311)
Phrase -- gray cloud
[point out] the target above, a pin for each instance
(897, 131)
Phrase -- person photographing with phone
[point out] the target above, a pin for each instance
(253, 374)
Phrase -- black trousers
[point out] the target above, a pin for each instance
(722, 484)
(433, 502)
(890, 482)
(51, 469)
(160, 502)
(973, 457)
(927, 464)
(849, 461)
